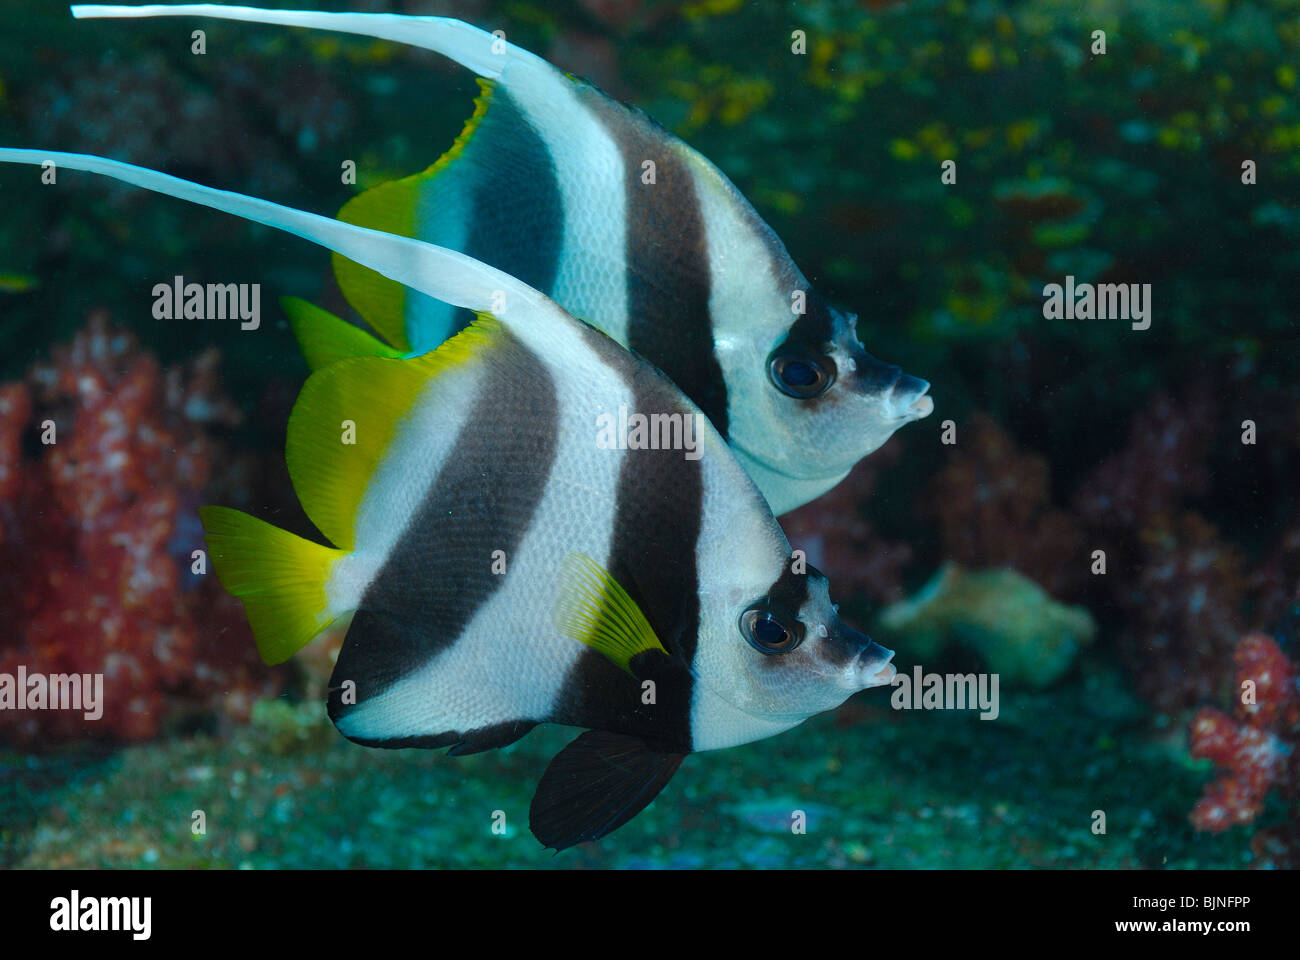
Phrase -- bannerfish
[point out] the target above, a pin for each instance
(502, 568)
(593, 203)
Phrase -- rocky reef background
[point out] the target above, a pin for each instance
(1122, 690)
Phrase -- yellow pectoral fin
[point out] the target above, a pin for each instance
(593, 607)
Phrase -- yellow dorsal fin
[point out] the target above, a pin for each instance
(592, 607)
(325, 338)
(347, 415)
(391, 207)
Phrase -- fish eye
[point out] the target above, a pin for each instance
(768, 634)
(799, 376)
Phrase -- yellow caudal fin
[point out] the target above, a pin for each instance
(278, 576)
(325, 338)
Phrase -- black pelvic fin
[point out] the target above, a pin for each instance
(596, 784)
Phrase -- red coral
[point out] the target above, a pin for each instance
(96, 535)
(1273, 580)
(1180, 589)
(1182, 611)
(837, 536)
(993, 505)
(15, 411)
(1261, 662)
(1162, 464)
(1257, 750)
(1254, 759)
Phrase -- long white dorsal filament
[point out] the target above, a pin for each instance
(436, 271)
(480, 51)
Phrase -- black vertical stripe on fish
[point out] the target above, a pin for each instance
(815, 332)
(786, 598)
(789, 592)
(516, 222)
(814, 329)
(658, 516)
(667, 255)
(439, 572)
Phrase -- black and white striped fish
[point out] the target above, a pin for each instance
(502, 568)
(624, 225)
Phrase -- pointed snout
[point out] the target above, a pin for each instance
(907, 397)
(901, 396)
(874, 665)
(871, 662)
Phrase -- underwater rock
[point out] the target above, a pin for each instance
(1019, 631)
(15, 411)
(127, 106)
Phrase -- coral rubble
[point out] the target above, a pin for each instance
(1007, 619)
